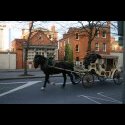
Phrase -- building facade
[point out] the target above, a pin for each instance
(79, 42)
(4, 37)
(117, 50)
(2, 30)
(40, 43)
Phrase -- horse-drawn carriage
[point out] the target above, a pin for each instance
(94, 65)
(99, 66)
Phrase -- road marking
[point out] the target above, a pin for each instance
(60, 83)
(106, 79)
(114, 100)
(92, 99)
(13, 83)
(20, 87)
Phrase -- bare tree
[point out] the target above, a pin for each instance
(27, 46)
(91, 28)
(27, 40)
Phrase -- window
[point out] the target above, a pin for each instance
(68, 40)
(64, 43)
(77, 48)
(97, 34)
(77, 61)
(97, 46)
(104, 34)
(50, 37)
(113, 48)
(40, 36)
(77, 36)
(77, 58)
(60, 44)
(104, 47)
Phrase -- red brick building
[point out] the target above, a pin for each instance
(41, 42)
(79, 43)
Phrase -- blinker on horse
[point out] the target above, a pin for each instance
(55, 68)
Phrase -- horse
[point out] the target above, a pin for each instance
(54, 68)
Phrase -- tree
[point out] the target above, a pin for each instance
(68, 53)
(27, 41)
(27, 46)
(92, 28)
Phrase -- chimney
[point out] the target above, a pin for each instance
(108, 23)
(53, 28)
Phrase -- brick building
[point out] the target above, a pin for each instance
(79, 42)
(41, 42)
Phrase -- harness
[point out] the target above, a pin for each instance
(50, 61)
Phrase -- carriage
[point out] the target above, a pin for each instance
(94, 66)
(105, 67)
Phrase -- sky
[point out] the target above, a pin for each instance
(14, 28)
(61, 27)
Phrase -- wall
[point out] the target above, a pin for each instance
(7, 61)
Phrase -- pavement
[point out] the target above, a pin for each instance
(19, 74)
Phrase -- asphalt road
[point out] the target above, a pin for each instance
(27, 91)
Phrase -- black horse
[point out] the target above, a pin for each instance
(54, 68)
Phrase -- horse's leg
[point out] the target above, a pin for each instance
(46, 80)
(64, 83)
(71, 77)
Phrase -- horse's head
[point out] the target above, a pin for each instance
(39, 60)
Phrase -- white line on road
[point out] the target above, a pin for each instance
(13, 83)
(59, 83)
(100, 93)
(106, 79)
(90, 99)
(20, 87)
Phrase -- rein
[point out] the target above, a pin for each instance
(63, 69)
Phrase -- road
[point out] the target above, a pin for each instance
(27, 91)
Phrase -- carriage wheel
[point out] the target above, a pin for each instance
(116, 78)
(88, 80)
(76, 78)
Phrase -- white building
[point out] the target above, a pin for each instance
(4, 37)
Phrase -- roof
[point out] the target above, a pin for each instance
(109, 56)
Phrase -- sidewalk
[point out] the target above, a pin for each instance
(18, 74)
